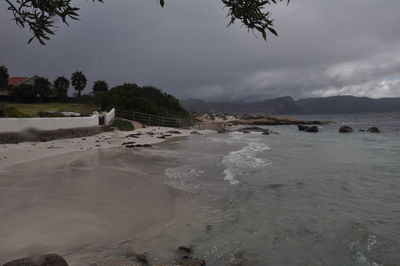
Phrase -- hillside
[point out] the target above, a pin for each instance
(282, 105)
(286, 106)
(348, 105)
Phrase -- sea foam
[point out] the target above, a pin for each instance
(245, 158)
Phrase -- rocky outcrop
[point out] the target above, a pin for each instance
(312, 129)
(302, 127)
(41, 260)
(373, 130)
(345, 129)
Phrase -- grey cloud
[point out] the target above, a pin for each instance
(324, 48)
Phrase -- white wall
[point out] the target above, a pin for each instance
(47, 123)
(109, 117)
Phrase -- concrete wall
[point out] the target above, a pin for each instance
(47, 123)
(53, 123)
(109, 117)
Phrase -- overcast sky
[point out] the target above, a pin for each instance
(324, 48)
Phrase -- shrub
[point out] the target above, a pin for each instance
(123, 125)
(12, 112)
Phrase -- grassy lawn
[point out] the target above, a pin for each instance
(33, 109)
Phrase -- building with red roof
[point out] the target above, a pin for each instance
(16, 81)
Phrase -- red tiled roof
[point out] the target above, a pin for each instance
(15, 80)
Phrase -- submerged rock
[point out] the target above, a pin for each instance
(312, 129)
(41, 260)
(185, 249)
(222, 131)
(346, 129)
(373, 130)
(195, 133)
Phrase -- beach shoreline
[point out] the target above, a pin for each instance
(23, 152)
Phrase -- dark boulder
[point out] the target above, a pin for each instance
(174, 132)
(345, 129)
(41, 260)
(312, 129)
(373, 130)
(195, 133)
(302, 127)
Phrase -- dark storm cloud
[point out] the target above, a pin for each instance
(324, 48)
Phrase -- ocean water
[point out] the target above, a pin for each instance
(295, 198)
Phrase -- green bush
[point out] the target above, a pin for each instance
(123, 125)
(12, 112)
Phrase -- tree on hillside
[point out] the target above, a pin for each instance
(78, 80)
(61, 85)
(40, 16)
(3, 77)
(42, 87)
(99, 86)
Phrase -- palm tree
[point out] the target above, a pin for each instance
(42, 87)
(3, 77)
(78, 80)
(99, 86)
(61, 85)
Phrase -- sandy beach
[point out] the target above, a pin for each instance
(13, 154)
(76, 198)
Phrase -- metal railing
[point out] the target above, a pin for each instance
(154, 120)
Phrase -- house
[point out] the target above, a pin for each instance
(15, 81)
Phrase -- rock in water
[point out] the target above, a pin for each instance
(345, 129)
(41, 260)
(373, 130)
(313, 129)
(302, 127)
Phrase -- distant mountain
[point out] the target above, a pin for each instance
(282, 105)
(286, 105)
(348, 105)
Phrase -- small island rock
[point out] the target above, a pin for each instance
(312, 129)
(345, 129)
(373, 130)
